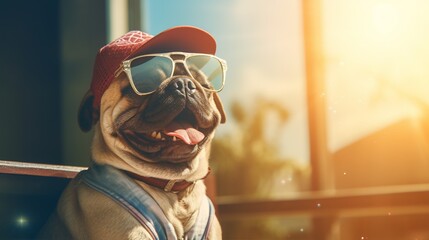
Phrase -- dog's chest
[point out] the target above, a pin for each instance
(181, 209)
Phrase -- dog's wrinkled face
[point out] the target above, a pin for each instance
(170, 126)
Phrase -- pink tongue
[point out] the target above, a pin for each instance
(185, 132)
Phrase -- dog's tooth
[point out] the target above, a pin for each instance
(163, 139)
(158, 135)
(174, 138)
(153, 134)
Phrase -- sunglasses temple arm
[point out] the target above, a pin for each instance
(119, 70)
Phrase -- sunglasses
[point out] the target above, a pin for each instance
(147, 72)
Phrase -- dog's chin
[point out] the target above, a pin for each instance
(157, 146)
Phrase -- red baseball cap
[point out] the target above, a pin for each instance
(109, 57)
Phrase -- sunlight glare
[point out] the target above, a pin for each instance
(377, 58)
(385, 18)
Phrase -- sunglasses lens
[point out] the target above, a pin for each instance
(210, 67)
(149, 72)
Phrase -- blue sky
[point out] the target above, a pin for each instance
(163, 14)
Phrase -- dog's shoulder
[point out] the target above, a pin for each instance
(84, 213)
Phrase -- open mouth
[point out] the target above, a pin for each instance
(179, 132)
(177, 139)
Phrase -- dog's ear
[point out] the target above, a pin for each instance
(87, 115)
(219, 106)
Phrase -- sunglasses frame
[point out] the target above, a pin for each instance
(126, 67)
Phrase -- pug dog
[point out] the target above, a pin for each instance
(154, 107)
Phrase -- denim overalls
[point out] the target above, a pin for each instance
(119, 187)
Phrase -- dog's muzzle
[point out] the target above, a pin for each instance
(174, 125)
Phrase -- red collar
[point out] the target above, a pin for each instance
(164, 184)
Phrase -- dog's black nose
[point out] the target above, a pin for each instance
(183, 85)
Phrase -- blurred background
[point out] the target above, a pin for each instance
(328, 112)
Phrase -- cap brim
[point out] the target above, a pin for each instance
(179, 39)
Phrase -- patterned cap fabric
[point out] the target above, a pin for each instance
(109, 57)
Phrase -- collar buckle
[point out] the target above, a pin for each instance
(169, 186)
